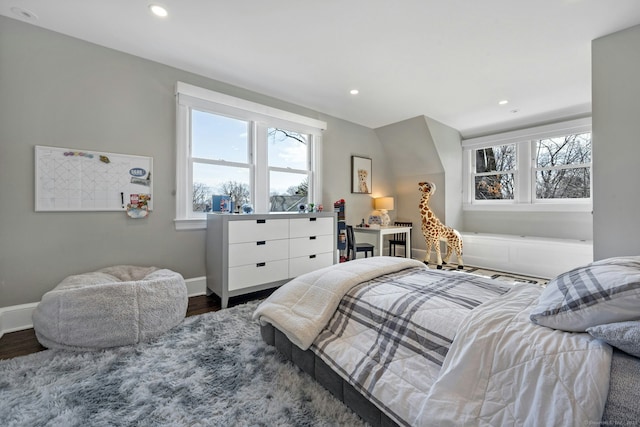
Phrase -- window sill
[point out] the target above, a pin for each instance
(529, 207)
(190, 224)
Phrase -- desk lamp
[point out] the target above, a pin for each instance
(384, 205)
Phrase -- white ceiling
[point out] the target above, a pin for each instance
(451, 60)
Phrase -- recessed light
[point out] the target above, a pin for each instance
(503, 102)
(24, 13)
(354, 91)
(158, 10)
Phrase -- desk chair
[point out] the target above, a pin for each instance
(353, 248)
(399, 239)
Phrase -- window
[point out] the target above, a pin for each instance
(219, 160)
(230, 148)
(289, 169)
(563, 167)
(494, 174)
(542, 168)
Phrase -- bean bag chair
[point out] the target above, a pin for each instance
(115, 306)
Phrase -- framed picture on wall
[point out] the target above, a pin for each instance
(361, 175)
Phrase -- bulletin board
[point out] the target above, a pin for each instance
(68, 179)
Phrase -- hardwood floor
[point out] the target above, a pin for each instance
(21, 343)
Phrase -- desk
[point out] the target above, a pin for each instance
(384, 230)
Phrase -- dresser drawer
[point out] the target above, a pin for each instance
(258, 229)
(259, 251)
(246, 276)
(303, 227)
(305, 264)
(310, 245)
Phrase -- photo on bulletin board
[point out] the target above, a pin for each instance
(68, 179)
(361, 175)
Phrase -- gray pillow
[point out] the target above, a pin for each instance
(604, 291)
(622, 335)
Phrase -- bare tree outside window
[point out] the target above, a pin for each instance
(277, 134)
(563, 167)
(239, 192)
(301, 189)
(201, 197)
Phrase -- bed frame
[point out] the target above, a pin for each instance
(313, 365)
(622, 407)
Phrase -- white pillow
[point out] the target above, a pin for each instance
(623, 335)
(604, 291)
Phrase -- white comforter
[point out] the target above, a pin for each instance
(501, 369)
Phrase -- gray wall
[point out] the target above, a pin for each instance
(342, 140)
(447, 143)
(60, 91)
(616, 144)
(422, 149)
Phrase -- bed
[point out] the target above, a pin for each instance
(405, 345)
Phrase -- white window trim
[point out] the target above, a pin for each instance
(523, 200)
(189, 96)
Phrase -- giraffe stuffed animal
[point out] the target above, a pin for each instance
(434, 231)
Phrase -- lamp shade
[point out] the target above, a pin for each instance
(385, 203)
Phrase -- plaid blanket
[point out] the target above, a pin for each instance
(390, 335)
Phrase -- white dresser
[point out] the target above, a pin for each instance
(248, 253)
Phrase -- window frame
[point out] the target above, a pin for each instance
(260, 118)
(525, 174)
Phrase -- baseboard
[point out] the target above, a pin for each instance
(18, 317)
(196, 286)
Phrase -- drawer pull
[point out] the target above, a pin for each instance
(312, 237)
(261, 264)
(261, 242)
(312, 256)
(261, 221)
(312, 219)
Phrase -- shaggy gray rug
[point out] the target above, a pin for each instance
(211, 370)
